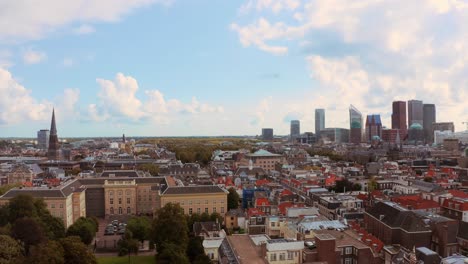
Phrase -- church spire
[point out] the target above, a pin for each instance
(53, 127)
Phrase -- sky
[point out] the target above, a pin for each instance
(209, 68)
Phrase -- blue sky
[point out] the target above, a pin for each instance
(163, 68)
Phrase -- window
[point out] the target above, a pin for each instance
(112, 210)
(190, 202)
(214, 209)
(222, 210)
(120, 210)
(198, 210)
(120, 192)
(129, 210)
(282, 256)
(128, 200)
(120, 200)
(111, 193)
(111, 200)
(348, 261)
(273, 257)
(61, 205)
(206, 210)
(349, 250)
(290, 255)
(190, 211)
(273, 224)
(128, 192)
(52, 206)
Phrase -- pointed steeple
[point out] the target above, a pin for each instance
(53, 127)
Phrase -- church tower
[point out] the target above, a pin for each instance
(53, 153)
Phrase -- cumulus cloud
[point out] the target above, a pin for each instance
(119, 99)
(381, 51)
(31, 56)
(263, 108)
(26, 20)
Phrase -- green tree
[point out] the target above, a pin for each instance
(127, 244)
(10, 250)
(170, 227)
(202, 259)
(29, 231)
(195, 248)
(153, 169)
(205, 217)
(216, 217)
(21, 206)
(53, 226)
(172, 253)
(140, 227)
(84, 228)
(233, 199)
(76, 252)
(47, 253)
(372, 185)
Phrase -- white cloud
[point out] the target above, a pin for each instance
(84, 29)
(25, 20)
(5, 59)
(31, 56)
(382, 51)
(120, 99)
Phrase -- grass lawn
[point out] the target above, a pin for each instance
(124, 260)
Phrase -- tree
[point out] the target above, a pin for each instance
(372, 185)
(204, 217)
(76, 252)
(29, 231)
(172, 253)
(233, 199)
(202, 259)
(47, 253)
(53, 226)
(170, 227)
(195, 248)
(10, 250)
(21, 206)
(153, 169)
(140, 227)
(127, 244)
(216, 217)
(357, 187)
(85, 228)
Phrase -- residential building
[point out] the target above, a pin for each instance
(283, 251)
(255, 221)
(267, 133)
(43, 139)
(429, 118)
(319, 121)
(263, 159)
(235, 219)
(355, 125)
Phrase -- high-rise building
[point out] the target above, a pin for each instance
(295, 130)
(429, 117)
(335, 134)
(415, 112)
(443, 126)
(43, 139)
(373, 128)
(267, 133)
(319, 121)
(53, 152)
(399, 115)
(355, 125)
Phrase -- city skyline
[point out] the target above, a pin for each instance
(169, 68)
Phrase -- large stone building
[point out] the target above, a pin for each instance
(66, 201)
(263, 159)
(196, 199)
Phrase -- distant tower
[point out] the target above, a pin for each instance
(319, 121)
(429, 118)
(53, 152)
(355, 125)
(124, 140)
(295, 130)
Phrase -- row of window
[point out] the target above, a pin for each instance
(190, 210)
(282, 256)
(191, 202)
(52, 205)
(120, 210)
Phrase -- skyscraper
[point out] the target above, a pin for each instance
(295, 129)
(319, 121)
(399, 115)
(43, 139)
(267, 133)
(373, 127)
(429, 117)
(355, 125)
(415, 112)
(53, 152)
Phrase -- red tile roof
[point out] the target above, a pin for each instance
(283, 207)
(261, 182)
(262, 202)
(285, 192)
(254, 212)
(458, 193)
